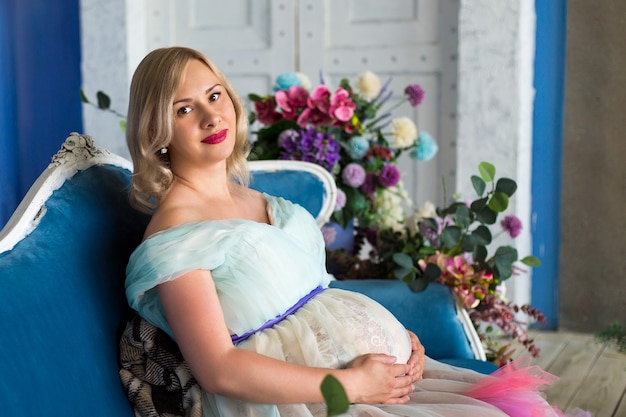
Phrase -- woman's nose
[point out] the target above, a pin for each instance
(209, 116)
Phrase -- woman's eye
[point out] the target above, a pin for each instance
(183, 110)
(214, 96)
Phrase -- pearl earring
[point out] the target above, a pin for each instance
(163, 151)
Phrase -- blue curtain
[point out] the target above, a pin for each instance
(547, 154)
(39, 90)
(9, 189)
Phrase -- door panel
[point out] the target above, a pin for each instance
(255, 40)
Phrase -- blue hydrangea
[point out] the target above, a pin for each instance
(286, 80)
(358, 146)
(426, 147)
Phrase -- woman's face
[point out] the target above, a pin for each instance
(204, 119)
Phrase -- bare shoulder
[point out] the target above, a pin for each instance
(166, 217)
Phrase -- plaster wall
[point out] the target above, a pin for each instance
(494, 116)
(593, 208)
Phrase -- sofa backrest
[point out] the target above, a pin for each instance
(62, 269)
(62, 303)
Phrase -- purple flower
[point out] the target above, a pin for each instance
(340, 201)
(329, 234)
(415, 94)
(353, 175)
(369, 186)
(309, 146)
(512, 225)
(389, 175)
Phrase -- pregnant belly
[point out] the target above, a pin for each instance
(331, 330)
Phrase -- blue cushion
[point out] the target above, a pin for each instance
(301, 187)
(483, 367)
(62, 303)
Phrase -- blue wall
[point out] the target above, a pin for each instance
(547, 154)
(39, 90)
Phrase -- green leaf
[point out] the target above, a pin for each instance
(506, 186)
(419, 284)
(479, 254)
(462, 216)
(498, 202)
(405, 274)
(479, 185)
(403, 260)
(83, 97)
(478, 205)
(335, 396)
(503, 262)
(482, 235)
(104, 102)
(468, 243)
(451, 235)
(506, 253)
(487, 171)
(431, 223)
(432, 272)
(123, 125)
(531, 261)
(486, 215)
(254, 97)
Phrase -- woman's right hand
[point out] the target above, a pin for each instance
(380, 380)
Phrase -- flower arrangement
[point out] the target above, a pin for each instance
(344, 132)
(350, 132)
(449, 245)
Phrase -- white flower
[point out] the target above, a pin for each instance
(428, 210)
(403, 132)
(368, 85)
(305, 82)
(390, 204)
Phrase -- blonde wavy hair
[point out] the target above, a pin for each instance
(150, 123)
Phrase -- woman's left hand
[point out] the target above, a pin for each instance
(417, 361)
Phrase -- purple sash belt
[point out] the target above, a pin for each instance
(237, 339)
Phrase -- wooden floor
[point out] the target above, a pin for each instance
(592, 375)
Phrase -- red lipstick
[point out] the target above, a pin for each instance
(216, 138)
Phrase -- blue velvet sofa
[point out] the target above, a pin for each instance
(62, 305)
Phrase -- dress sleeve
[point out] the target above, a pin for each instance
(168, 255)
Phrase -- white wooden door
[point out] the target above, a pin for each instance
(411, 41)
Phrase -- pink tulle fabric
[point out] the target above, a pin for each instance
(516, 388)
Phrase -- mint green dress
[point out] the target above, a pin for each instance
(260, 272)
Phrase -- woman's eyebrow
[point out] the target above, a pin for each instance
(208, 90)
